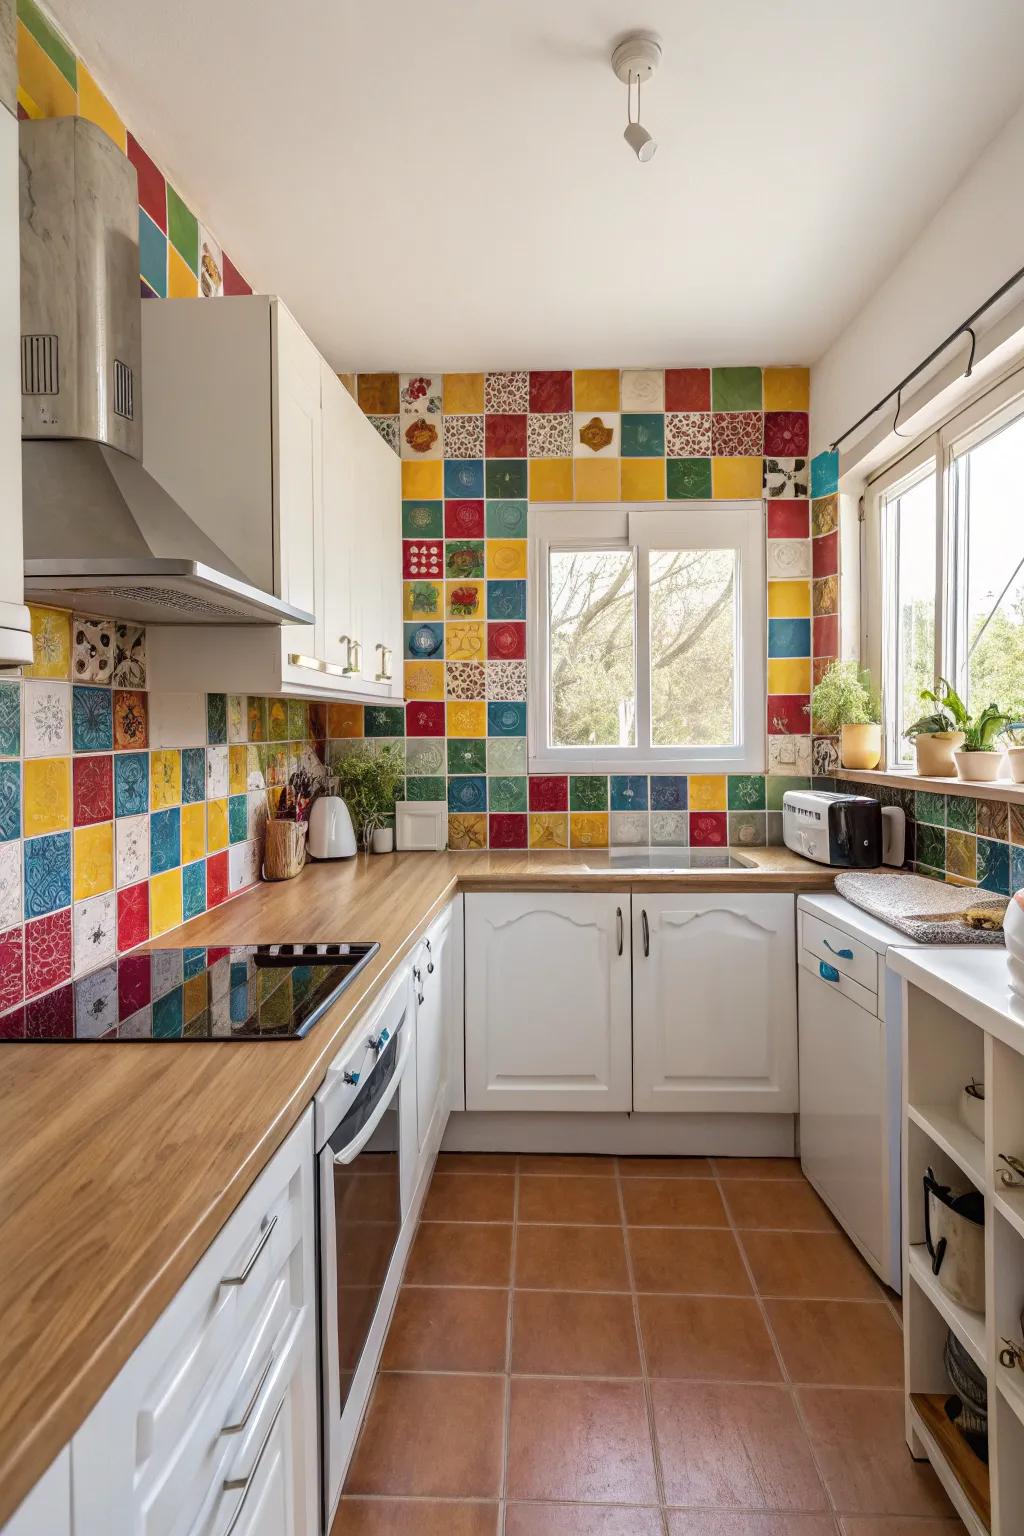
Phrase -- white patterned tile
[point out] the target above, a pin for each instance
(630, 829)
(238, 719)
(132, 837)
(507, 393)
(669, 829)
(595, 434)
(217, 772)
(688, 434)
(463, 437)
(10, 884)
(243, 866)
(95, 932)
(47, 718)
(387, 428)
(786, 479)
(419, 415)
(549, 435)
(92, 650)
(789, 754)
(506, 756)
(788, 558)
(643, 389)
(506, 679)
(96, 1003)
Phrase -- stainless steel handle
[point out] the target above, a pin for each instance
(384, 675)
(352, 649)
(430, 967)
(239, 1425)
(311, 663)
(251, 1261)
(419, 998)
(618, 925)
(243, 1484)
(417, 974)
(646, 928)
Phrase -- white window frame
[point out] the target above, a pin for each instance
(736, 525)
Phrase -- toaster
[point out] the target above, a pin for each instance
(844, 830)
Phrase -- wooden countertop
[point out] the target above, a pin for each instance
(120, 1163)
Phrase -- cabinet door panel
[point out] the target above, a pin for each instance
(299, 478)
(714, 1003)
(340, 547)
(434, 1023)
(547, 1003)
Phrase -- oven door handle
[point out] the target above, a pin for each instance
(349, 1153)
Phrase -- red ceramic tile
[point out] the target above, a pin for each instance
(508, 830)
(422, 719)
(826, 635)
(819, 666)
(423, 559)
(825, 554)
(788, 714)
(505, 437)
(131, 719)
(549, 793)
(133, 915)
(217, 879)
(551, 391)
(506, 641)
(463, 519)
(709, 829)
(134, 988)
(47, 951)
(93, 780)
(785, 433)
(51, 1017)
(687, 389)
(12, 979)
(234, 282)
(152, 187)
(789, 520)
(14, 1024)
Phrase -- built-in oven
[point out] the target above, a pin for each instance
(365, 1127)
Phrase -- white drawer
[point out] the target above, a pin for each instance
(848, 955)
(830, 975)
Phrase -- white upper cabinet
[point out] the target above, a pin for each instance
(714, 1002)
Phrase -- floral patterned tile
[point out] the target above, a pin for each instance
(549, 829)
(92, 722)
(47, 718)
(468, 831)
(629, 829)
(465, 679)
(94, 932)
(48, 953)
(549, 435)
(787, 558)
(47, 873)
(463, 437)
(596, 434)
(131, 719)
(129, 669)
(736, 433)
(387, 428)
(786, 433)
(670, 829)
(92, 650)
(785, 479)
(12, 965)
(506, 680)
(10, 801)
(825, 515)
(51, 639)
(132, 849)
(825, 595)
(419, 410)
(504, 392)
(688, 434)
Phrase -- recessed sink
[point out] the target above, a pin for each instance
(673, 860)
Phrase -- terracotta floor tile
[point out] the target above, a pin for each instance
(432, 1436)
(734, 1446)
(873, 1525)
(563, 1333)
(484, 1197)
(581, 1441)
(413, 1517)
(557, 1162)
(580, 1520)
(709, 1338)
(757, 1167)
(860, 1447)
(673, 1203)
(664, 1167)
(477, 1162)
(710, 1522)
(839, 1343)
(691, 1260)
(781, 1204)
(447, 1253)
(571, 1258)
(573, 1199)
(447, 1329)
(808, 1264)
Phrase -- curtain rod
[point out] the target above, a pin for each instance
(964, 328)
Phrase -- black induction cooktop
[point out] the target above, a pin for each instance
(247, 992)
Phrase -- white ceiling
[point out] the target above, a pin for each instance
(445, 185)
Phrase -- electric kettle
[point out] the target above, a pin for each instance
(330, 827)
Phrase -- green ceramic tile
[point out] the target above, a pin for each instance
(422, 520)
(506, 519)
(467, 756)
(961, 812)
(505, 478)
(384, 720)
(735, 389)
(49, 40)
(776, 785)
(932, 809)
(182, 228)
(931, 845)
(464, 559)
(425, 756)
(747, 829)
(298, 720)
(746, 792)
(216, 718)
(689, 479)
(426, 789)
(643, 435)
(506, 794)
(588, 792)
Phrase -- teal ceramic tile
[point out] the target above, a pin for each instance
(238, 818)
(152, 255)
(10, 719)
(193, 775)
(643, 435)
(961, 812)
(931, 846)
(47, 865)
(506, 519)
(193, 889)
(994, 866)
(932, 809)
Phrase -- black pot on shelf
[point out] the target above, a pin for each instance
(968, 1407)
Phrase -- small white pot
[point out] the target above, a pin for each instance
(383, 840)
(978, 767)
(1015, 759)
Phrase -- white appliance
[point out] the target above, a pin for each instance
(851, 1063)
(330, 829)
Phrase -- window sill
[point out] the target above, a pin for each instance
(906, 778)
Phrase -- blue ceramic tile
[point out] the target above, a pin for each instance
(464, 478)
(424, 642)
(506, 519)
(668, 792)
(506, 719)
(193, 889)
(193, 961)
(789, 637)
(994, 865)
(193, 775)
(10, 801)
(1016, 869)
(468, 792)
(506, 599)
(92, 719)
(824, 474)
(131, 783)
(168, 1012)
(153, 255)
(10, 719)
(238, 818)
(47, 873)
(216, 718)
(629, 792)
(165, 840)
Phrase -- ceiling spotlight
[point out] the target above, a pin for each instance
(634, 61)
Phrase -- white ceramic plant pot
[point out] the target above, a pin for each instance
(1015, 759)
(978, 767)
(383, 840)
(935, 754)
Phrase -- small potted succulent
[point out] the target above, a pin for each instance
(845, 702)
(979, 760)
(370, 780)
(1014, 734)
(937, 735)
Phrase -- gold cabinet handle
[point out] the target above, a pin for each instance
(384, 675)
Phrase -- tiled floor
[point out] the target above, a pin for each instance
(637, 1347)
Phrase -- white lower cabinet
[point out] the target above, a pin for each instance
(46, 1511)
(437, 989)
(548, 1002)
(714, 1002)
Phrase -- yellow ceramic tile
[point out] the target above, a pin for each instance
(467, 831)
(551, 479)
(506, 558)
(422, 479)
(274, 793)
(277, 719)
(588, 829)
(164, 902)
(463, 394)
(597, 480)
(424, 679)
(422, 599)
(549, 829)
(50, 92)
(643, 479)
(193, 832)
(94, 860)
(467, 717)
(787, 389)
(182, 282)
(238, 769)
(464, 600)
(736, 479)
(47, 795)
(216, 825)
(707, 792)
(51, 641)
(789, 674)
(28, 106)
(789, 599)
(595, 389)
(465, 641)
(344, 720)
(164, 779)
(94, 105)
(194, 996)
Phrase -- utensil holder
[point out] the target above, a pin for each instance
(284, 852)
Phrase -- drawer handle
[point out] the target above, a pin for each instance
(646, 930)
(250, 1263)
(236, 1428)
(243, 1484)
(618, 926)
(844, 954)
(827, 972)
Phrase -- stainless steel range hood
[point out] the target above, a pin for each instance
(100, 532)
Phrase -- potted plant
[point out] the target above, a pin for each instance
(979, 759)
(1014, 734)
(370, 780)
(936, 736)
(845, 702)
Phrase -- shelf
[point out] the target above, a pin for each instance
(948, 1131)
(1010, 1205)
(1010, 1391)
(999, 789)
(949, 1453)
(969, 1327)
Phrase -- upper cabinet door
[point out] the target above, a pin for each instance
(714, 1002)
(379, 502)
(340, 547)
(547, 1002)
(299, 470)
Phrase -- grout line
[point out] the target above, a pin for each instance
(659, 1477)
(509, 1325)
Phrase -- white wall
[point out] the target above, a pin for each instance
(971, 246)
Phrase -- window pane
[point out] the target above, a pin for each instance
(592, 658)
(914, 511)
(693, 641)
(989, 489)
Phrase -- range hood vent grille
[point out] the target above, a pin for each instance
(124, 390)
(40, 365)
(163, 597)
